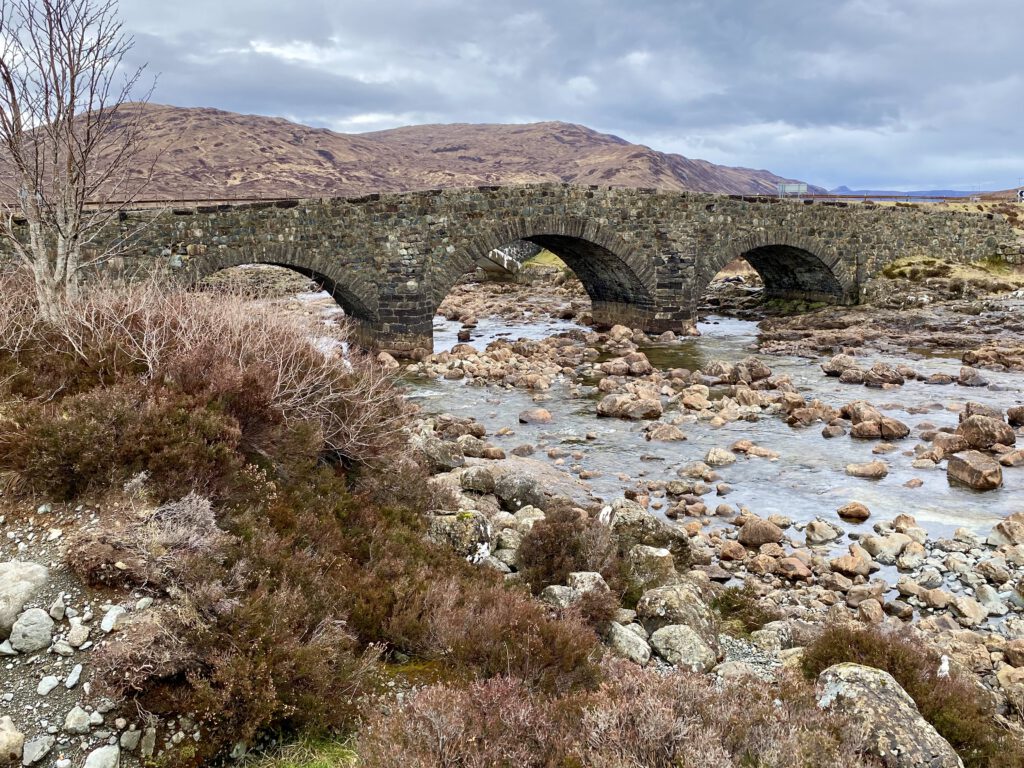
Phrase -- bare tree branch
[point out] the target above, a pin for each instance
(69, 136)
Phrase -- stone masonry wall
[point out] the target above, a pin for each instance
(645, 257)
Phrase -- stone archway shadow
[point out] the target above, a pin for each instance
(791, 266)
(619, 280)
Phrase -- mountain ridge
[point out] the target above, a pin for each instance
(206, 153)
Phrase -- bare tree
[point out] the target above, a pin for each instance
(68, 137)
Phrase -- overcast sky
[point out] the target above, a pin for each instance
(898, 94)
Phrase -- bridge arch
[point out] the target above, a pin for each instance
(619, 280)
(791, 266)
(355, 295)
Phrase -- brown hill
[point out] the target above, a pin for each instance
(209, 153)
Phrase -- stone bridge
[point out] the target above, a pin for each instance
(645, 257)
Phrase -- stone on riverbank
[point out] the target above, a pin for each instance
(894, 729)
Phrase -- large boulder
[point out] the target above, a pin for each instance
(630, 406)
(894, 730)
(19, 583)
(632, 525)
(516, 490)
(975, 470)
(677, 604)
(982, 432)
(683, 647)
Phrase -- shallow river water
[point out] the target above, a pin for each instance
(808, 479)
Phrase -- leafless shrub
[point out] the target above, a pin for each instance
(151, 548)
(208, 343)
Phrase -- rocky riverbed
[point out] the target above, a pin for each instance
(864, 478)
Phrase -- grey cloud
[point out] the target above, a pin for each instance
(864, 92)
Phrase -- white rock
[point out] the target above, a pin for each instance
(77, 721)
(19, 583)
(112, 618)
(74, 677)
(36, 749)
(47, 684)
(32, 632)
(104, 757)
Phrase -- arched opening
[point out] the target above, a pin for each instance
(564, 281)
(771, 272)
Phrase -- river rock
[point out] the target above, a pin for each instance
(820, 532)
(854, 512)
(793, 568)
(838, 364)
(872, 470)
(968, 611)
(719, 457)
(11, 742)
(895, 731)
(1015, 415)
(32, 632)
(982, 432)
(885, 549)
(630, 406)
(628, 644)
(1008, 531)
(970, 377)
(19, 583)
(535, 416)
(665, 433)
(881, 374)
(757, 531)
(856, 563)
(975, 470)
(681, 646)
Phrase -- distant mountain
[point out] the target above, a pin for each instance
(901, 193)
(209, 153)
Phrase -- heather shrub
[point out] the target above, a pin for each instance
(567, 540)
(100, 438)
(637, 717)
(956, 705)
(742, 610)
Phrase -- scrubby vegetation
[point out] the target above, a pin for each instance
(637, 717)
(959, 709)
(742, 610)
(254, 478)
